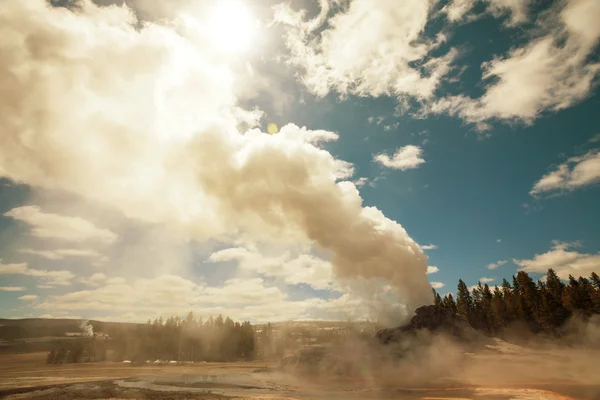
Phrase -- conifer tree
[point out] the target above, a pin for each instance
(464, 301)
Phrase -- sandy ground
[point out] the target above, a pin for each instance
(487, 376)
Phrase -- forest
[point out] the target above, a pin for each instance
(173, 339)
(538, 307)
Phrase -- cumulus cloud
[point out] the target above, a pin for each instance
(54, 226)
(49, 278)
(575, 173)
(550, 73)
(486, 280)
(497, 264)
(432, 269)
(517, 10)
(28, 297)
(305, 268)
(563, 260)
(59, 254)
(152, 131)
(12, 288)
(95, 280)
(437, 285)
(407, 157)
(429, 247)
(369, 48)
(168, 295)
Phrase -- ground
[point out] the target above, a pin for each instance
(502, 373)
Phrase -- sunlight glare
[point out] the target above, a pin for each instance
(232, 26)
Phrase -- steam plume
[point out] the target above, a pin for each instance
(145, 120)
(86, 328)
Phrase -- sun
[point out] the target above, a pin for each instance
(232, 26)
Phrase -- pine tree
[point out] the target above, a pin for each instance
(486, 308)
(449, 302)
(464, 302)
(498, 310)
(596, 280)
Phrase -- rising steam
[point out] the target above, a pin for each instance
(86, 328)
(146, 121)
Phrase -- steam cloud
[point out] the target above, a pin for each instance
(146, 121)
(86, 328)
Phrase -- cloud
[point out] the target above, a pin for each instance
(370, 48)
(498, 240)
(28, 297)
(563, 262)
(163, 141)
(305, 268)
(486, 280)
(141, 299)
(550, 73)
(575, 173)
(458, 10)
(54, 226)
(437, 285)
(360, 182)
(432, 269)
(95, 280)
(496, 264)
(429, 247)
(60, 253)
(49, 278)
(407, 157)
(12, 288)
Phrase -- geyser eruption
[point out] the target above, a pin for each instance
(86, 328)
(145, 120)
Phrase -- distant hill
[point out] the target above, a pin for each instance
(16, 329)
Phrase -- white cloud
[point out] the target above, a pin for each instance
(429, 247)
(59, 277)
(305, 268)
(457, 10)
(550, 73)
(12, 288)
(163, 142)
(60, 253)
(48, 225)
(575, 173)
(360, 182)
(437, 285)
(498, 240)
(366, 49)
(563, 262)
(28, 297)
(95, 280)
(497, 264)
(407, 157)
(486, 280)
(432, 269)
(169, 295)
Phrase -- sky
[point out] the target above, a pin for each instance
(293, 160)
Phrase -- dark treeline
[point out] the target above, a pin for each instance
(173, 339)
(541, 307)
(189, 339)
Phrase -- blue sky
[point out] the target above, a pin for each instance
(472, 124)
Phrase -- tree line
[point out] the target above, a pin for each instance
(184, 339)
(544, 306)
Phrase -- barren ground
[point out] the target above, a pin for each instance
(510, 374)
